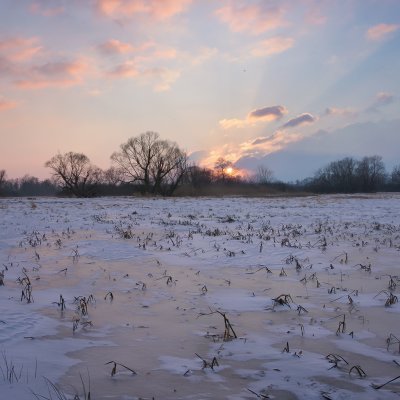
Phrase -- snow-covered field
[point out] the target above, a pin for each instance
(308, 287)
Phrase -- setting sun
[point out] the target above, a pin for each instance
(229, 171)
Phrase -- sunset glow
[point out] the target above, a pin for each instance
(291, 85)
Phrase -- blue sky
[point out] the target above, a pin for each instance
(286, 84)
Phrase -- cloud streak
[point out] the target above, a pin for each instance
(337, 111)
(252, 148)
(302, 119)
(381, 31)
(266, 114)
(57, 74)
(269, 144)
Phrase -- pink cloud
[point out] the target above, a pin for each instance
(271, 46)
(7, 104)
(19, 49)
(114, 46)
(25, 54)
(158, 9)
(126, 70)
(147, 65)
(251, 18)
(114, 8)
(15, 42)
(54, 74)
(163, 9)
(381, 31)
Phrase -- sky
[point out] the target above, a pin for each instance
(288, 84)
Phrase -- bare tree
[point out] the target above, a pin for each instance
(2, 177)
(222, 166)
(264, 175)
(168, 167)
(396, 175)
(136, 157)
(341, 175)
(159, 165)
(74, 173)
(371, 173)
(198, 176)
(112, 176)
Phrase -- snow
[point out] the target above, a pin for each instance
(157, 270)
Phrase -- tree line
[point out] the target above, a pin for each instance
(147, 164)
(349, 175)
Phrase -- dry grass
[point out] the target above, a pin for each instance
(392, 340)
(390, 298)
(26, 293)
(282, 300)
(377, 387)
(335, 359)
(259, 395)
(359, 370)
(55, 392)
(207, 364)
(114, 369)
(229, 332)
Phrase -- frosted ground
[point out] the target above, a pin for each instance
(308, 285)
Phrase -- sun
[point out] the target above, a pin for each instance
(229, 171)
